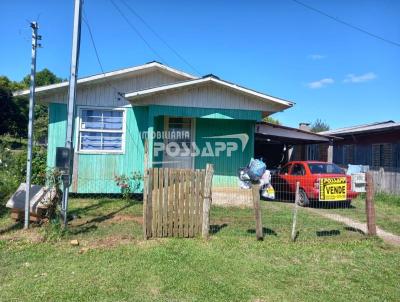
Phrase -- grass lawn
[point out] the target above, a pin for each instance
(387, 209)
(113, 263)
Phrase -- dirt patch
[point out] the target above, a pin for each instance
(125, 217)
(110, 242)
(30, 235)
(114, 241)
(118, 218)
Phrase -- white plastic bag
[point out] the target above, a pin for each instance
(244, 184)
(268, 192)
(266, 178)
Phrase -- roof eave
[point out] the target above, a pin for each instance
(108, 75)
(162, 89)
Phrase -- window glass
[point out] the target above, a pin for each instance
(285, 169)
(101, 130)
(382, 155)
(325, 168)
(179, 130)
(102, 119)
(298, 169)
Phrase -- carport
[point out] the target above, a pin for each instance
(278, 144)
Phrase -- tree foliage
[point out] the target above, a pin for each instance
(14, 124)
(270, 119)
(319, 125)
(13, 169)
(14, 110)
(43, 78)
(13, 115)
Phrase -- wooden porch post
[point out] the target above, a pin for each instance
(330, 152)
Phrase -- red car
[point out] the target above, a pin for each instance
(311, 175)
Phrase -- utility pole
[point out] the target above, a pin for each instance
(76, 39)
(35, 38)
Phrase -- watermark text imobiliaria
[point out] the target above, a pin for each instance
(179, 143)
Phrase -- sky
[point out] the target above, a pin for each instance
(331, 71)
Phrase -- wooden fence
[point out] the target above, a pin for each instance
(387, 181)
(176, 202)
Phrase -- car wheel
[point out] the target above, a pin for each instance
(303, 199)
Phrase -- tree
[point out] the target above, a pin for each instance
(14, 110)
(13, 119)
(319, 125)
(270, 119)
(11, 85)
(43, 78)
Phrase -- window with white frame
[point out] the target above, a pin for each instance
(101, 130)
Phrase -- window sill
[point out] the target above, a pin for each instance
(101, 152)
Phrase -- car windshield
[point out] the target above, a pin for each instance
(324, 168)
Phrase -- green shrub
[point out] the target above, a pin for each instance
(13, 169)
(53, 230)
(128, 184)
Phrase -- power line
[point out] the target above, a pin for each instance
(85, 20)
(117, 91)
(347, 24)
(158, 36)
(137, 31)
(93, 43)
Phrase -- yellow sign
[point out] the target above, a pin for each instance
(333, 189)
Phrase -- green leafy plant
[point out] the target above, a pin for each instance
(53, 182)
(12, 171)
(128, 184)
(53, 230)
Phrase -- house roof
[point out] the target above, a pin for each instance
(289, 135)
(109, 75)
(204, 80)
(366, 128)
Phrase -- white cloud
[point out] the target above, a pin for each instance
(352, 78)
(316, 57)
(320, 83)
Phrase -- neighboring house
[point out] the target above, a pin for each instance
(115, 110)
(376, 145)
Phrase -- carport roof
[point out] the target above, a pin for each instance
(289, 135)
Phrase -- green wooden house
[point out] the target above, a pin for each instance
(117, 111)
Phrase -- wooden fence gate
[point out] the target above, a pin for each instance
(176, 202)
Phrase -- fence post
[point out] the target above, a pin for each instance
(257, 211)
(145, 189)
(296, 201)
(205, 228)
(369, 204)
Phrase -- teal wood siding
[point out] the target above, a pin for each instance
(225, 168)
(96, 172)
(57, 130)
(211, 113)
(156, 111)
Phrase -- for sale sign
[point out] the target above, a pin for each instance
(333, 189)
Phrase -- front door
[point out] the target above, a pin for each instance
(178, 141)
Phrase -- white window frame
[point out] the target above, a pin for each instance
(80, 129)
